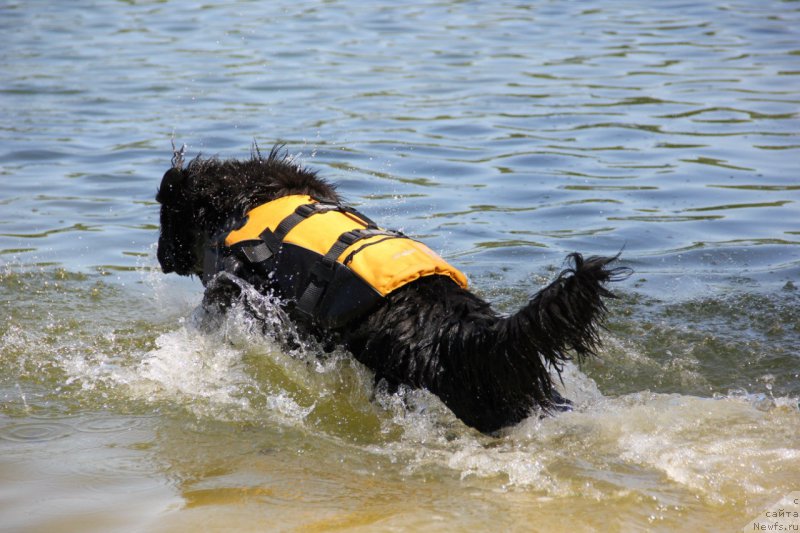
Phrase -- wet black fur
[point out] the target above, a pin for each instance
(491, 371)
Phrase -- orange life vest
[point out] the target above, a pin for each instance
(332, 261)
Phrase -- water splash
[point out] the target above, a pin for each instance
(237, 370)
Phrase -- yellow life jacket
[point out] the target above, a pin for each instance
(334, 262)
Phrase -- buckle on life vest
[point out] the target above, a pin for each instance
(321, 275)
(322, 271)
(348, 238)
(306, 210)
(256, 253)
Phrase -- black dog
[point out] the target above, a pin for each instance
(430, 333)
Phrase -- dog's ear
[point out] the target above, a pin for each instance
(171, 186)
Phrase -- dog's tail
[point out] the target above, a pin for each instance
(565, 316)
(562, 319)
(514, 356)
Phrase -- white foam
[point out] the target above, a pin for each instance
(185, 363)
(205, 373)
(720, 450)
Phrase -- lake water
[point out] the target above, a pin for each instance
(506, 135)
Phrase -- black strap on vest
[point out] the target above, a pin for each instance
(323, 270)
(274, 239)
(259, 252)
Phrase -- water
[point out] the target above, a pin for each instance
(506, 136)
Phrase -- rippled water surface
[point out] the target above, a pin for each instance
(506, 135)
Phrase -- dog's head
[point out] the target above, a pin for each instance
(200, 199)
(180, 247)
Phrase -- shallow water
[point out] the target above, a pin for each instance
(505, 136)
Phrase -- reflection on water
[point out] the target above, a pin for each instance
(506, 135)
